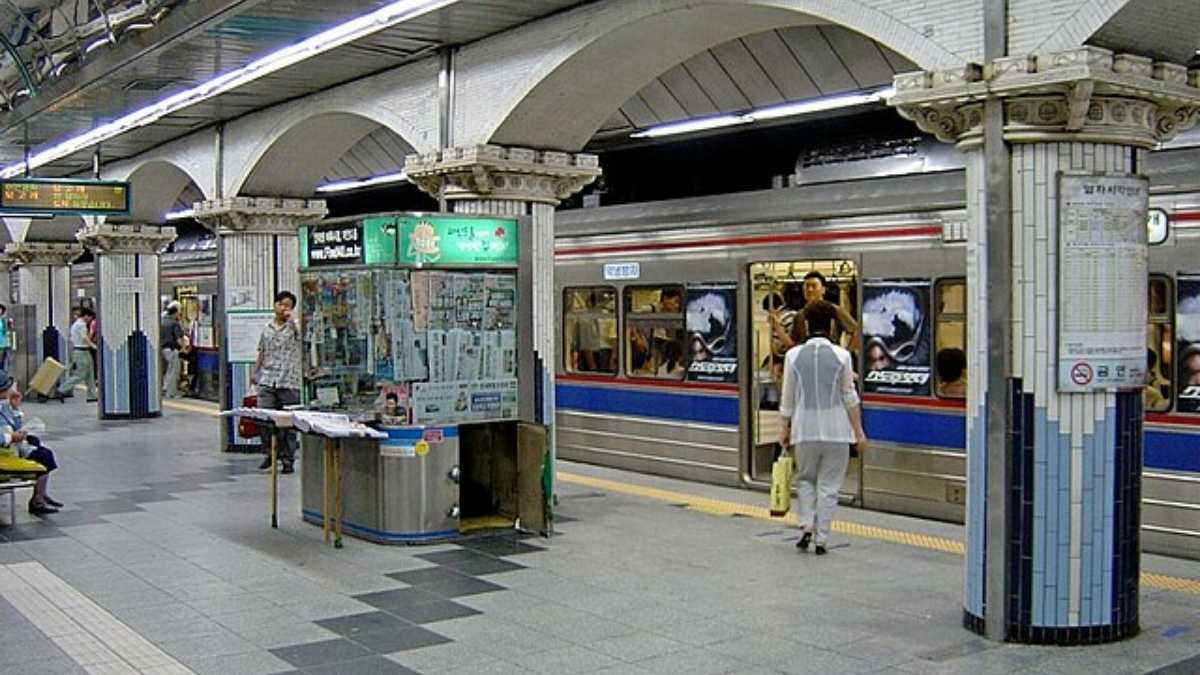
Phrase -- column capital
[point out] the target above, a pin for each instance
(258, 215)
(44, 252)
(1087, 94)
(7, 262)
(142, 239)
(495, 172)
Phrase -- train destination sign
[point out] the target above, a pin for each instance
(64, 196)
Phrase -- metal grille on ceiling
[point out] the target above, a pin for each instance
(775, 66)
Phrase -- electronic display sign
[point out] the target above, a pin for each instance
(64, 196)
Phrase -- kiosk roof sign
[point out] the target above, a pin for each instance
(64, 196)
(451, 240)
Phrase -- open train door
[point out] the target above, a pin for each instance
(776, 295)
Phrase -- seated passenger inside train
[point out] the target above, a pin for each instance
(951, 372)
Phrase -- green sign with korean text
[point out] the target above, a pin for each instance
(451, 240)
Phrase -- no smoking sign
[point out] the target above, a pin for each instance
(1081, 374)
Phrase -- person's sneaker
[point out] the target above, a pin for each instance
(804, 541)
(41, 509)
(266, 463)
(288, 468)
(52, 502)
(820, 550)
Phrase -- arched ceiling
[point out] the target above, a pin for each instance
(1156, 28)
(379, 152)
(766, 68)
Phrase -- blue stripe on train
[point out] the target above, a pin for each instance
(1173, 451)
(916, 427)
(1163, 449)
(668, 405)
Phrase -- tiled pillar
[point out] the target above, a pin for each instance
(498, 181)
(257, 256)
(1074, 460)
(127, 283)
(7, 265)
(45, 282)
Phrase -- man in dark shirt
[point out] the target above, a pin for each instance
(170, 342)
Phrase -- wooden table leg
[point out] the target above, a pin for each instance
(325, 478)
(274, 481)
(337, 458)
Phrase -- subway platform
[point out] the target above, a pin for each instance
(163, 561)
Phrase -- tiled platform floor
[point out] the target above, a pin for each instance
(164, 559)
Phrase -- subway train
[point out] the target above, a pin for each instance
(629, 393)
(632, 394)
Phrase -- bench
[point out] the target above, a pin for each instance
(11, 486)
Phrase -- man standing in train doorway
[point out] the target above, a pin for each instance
(277, 374)
(820, 417)
(815, 288)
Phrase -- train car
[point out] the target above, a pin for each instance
(631, 393)
(187, 275)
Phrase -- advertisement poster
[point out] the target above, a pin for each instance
(1102, 277)
(244, 327)
(1187, 323)
(711, 332)
(896, 337)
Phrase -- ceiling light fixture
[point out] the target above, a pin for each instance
(358, 183)
(768, 113)
(385, 17)
(180, 215)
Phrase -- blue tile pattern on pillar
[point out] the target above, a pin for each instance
(976, 514)
(139, 374)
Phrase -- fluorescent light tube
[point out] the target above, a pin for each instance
(180, 215)
(357, 183)
(355, 29)
(767, 113)
(689, 126)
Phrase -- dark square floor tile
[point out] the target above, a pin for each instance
(500, 547)
(484, 565)
(403, 597)
(362, 623)
(375, 665)
(144, 495)
(321, 653)
(391, 641)
(32, 531)
(104, 507)
(457, 588)
(75, 517)
(433, 611)
(452, 556)
(427, 576)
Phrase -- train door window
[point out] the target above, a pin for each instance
(950, 337)
(778, 294)
(1156, 396)
(590, 330)
(654, 332)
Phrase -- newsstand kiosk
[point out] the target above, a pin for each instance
(420, 324)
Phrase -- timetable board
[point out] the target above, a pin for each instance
(1102, 281)
(64, 196)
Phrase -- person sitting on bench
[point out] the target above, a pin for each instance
(12, 419)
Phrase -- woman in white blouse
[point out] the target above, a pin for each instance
(821, 417)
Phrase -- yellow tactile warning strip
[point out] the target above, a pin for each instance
(725, 508)
(191, 407)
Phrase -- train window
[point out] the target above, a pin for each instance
(1156, 396)
(590, 330)
(950, 335)
(654, 332)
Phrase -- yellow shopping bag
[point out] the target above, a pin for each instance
(781, 485)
